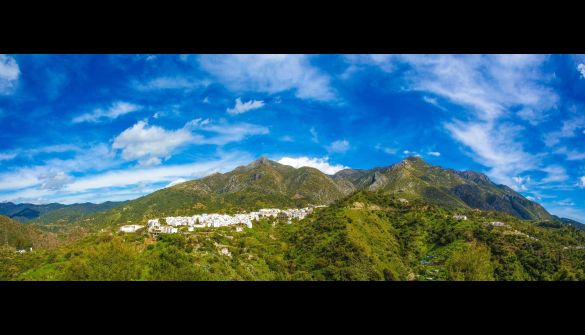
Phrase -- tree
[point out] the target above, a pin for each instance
(472, 262)
(114, 260)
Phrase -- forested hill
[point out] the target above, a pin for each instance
(265, 183)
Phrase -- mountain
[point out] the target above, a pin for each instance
(260, 184)
(26, 212)
(265, 183)
(53, 212)
(413, 178)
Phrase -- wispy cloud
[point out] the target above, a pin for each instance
(243, 107)
(7, 156)
(321, 164)
(489, 88)
(581, 69)
(339, 146)
(170, 83)
(269, 74)
(568, 130)
(116, 110)
(314, 135)
(224, 133)
(123, 184)
(57, 171)
(9, 74)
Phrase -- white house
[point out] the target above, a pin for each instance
(130, 228)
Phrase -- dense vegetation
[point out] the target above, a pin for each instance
(367, 236)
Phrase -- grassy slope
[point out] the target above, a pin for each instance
(368, 236)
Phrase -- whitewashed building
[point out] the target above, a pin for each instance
(130, 228)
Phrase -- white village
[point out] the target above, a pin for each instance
(155, 227)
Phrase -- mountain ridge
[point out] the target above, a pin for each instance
(264, 183)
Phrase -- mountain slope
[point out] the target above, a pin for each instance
(265, 183)
(261, 184)
(374, 236)
(366, 236)
(19, 235)
(413, 178)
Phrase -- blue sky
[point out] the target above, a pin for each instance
(76, 128)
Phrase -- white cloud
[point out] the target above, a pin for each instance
(434, 153)
(390, 151)
(269, 74)
(491, 146)
(169, 83)
(149, 145)
(314, 135)
(9, 73)
(433, 101)
(198, 122)
(7, 156)
(555, 173)
(119, 184)
(54, 180)
(116, 110)
(581, 69)
(55, 173)
(176, 181)
(243, 107)
(521, 183)
(340, 146)
(225, 133)
(321, 164)
(568, 130)
(571, 155)
(169, 173)
(489, 88)
(582, 181)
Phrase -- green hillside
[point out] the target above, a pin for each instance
(265, 183)
(261, 184)
(413, 178)
(368, 236)
(391, 223)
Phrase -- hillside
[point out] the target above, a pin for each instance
(413, 178)
(23, 236)
(261, 184)
(367, 236)
(265, 183)
(73, 213)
